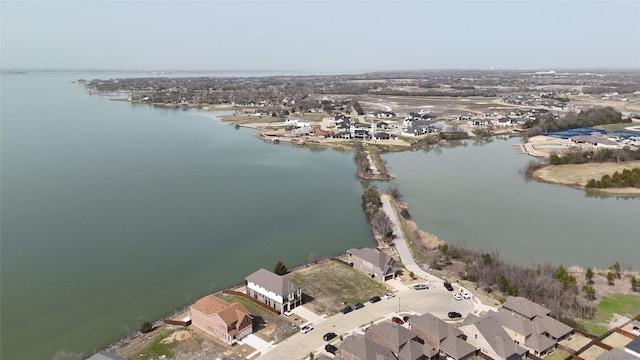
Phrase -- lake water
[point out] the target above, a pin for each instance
(112, 212)
(476, 196)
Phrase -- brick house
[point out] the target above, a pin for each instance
(225, 321)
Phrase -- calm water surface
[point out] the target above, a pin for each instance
(476, 196)
(112, 212)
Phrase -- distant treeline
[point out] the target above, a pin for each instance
(627, 178)
(585, 118)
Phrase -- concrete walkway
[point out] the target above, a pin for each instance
(310, 316)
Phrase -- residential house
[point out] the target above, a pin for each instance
(543, 323)
(416, 350)
(442, 337)
(359, 347)
(342, 135)
(596, 141)
(383, 114)
(391, 335)
(382, 136)
(478, 122)
(273, 290)
(375, 263)
(380, 125)
(301, 131)
(225, 321)
(486, 334)
(321, 133)
(361, 134)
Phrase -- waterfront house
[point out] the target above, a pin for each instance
(225, 321)
(273, 290)
(376, 264)
(382, 136)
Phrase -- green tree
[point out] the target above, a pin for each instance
(561, 274)
(589, 275)
(635, 283)
(487, 259)
(280, 268)
(616, 270)
(589, 292)
(610, 278)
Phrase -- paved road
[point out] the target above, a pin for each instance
(436, 300)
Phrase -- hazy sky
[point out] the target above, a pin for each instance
(321, 36)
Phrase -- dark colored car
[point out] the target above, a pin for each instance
(358, 306)
(375, 299)
(453, 315)
(330, 348)
(328, 336)
(448, 286)
(397, 320)
(405, 318)
(346, 310)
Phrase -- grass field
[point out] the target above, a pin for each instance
(627, 305)
(332, 285)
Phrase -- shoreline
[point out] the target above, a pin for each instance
(577, 175)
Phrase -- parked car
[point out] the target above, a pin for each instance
(346, 310)
(330, 349)
(420, 286)
(358, 306)
(405, 318)
(453, 315)
(375, 299)
(328, 336)
(448, 286)
(465, 294)
(397, 320)
(305, 329)
(456, 296)
(389, 295)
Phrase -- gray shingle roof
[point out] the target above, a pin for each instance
(272, 282)
(525, 307)
(392, 333)
(364, 348)
(551, 326)
(375, 257)
(434, 326)
(515, 322)
(456, 347)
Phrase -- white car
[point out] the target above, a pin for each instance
(465, 294)
(305, 329)
(456, 296)
(389, 295)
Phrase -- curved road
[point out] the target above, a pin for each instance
(407, 301)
